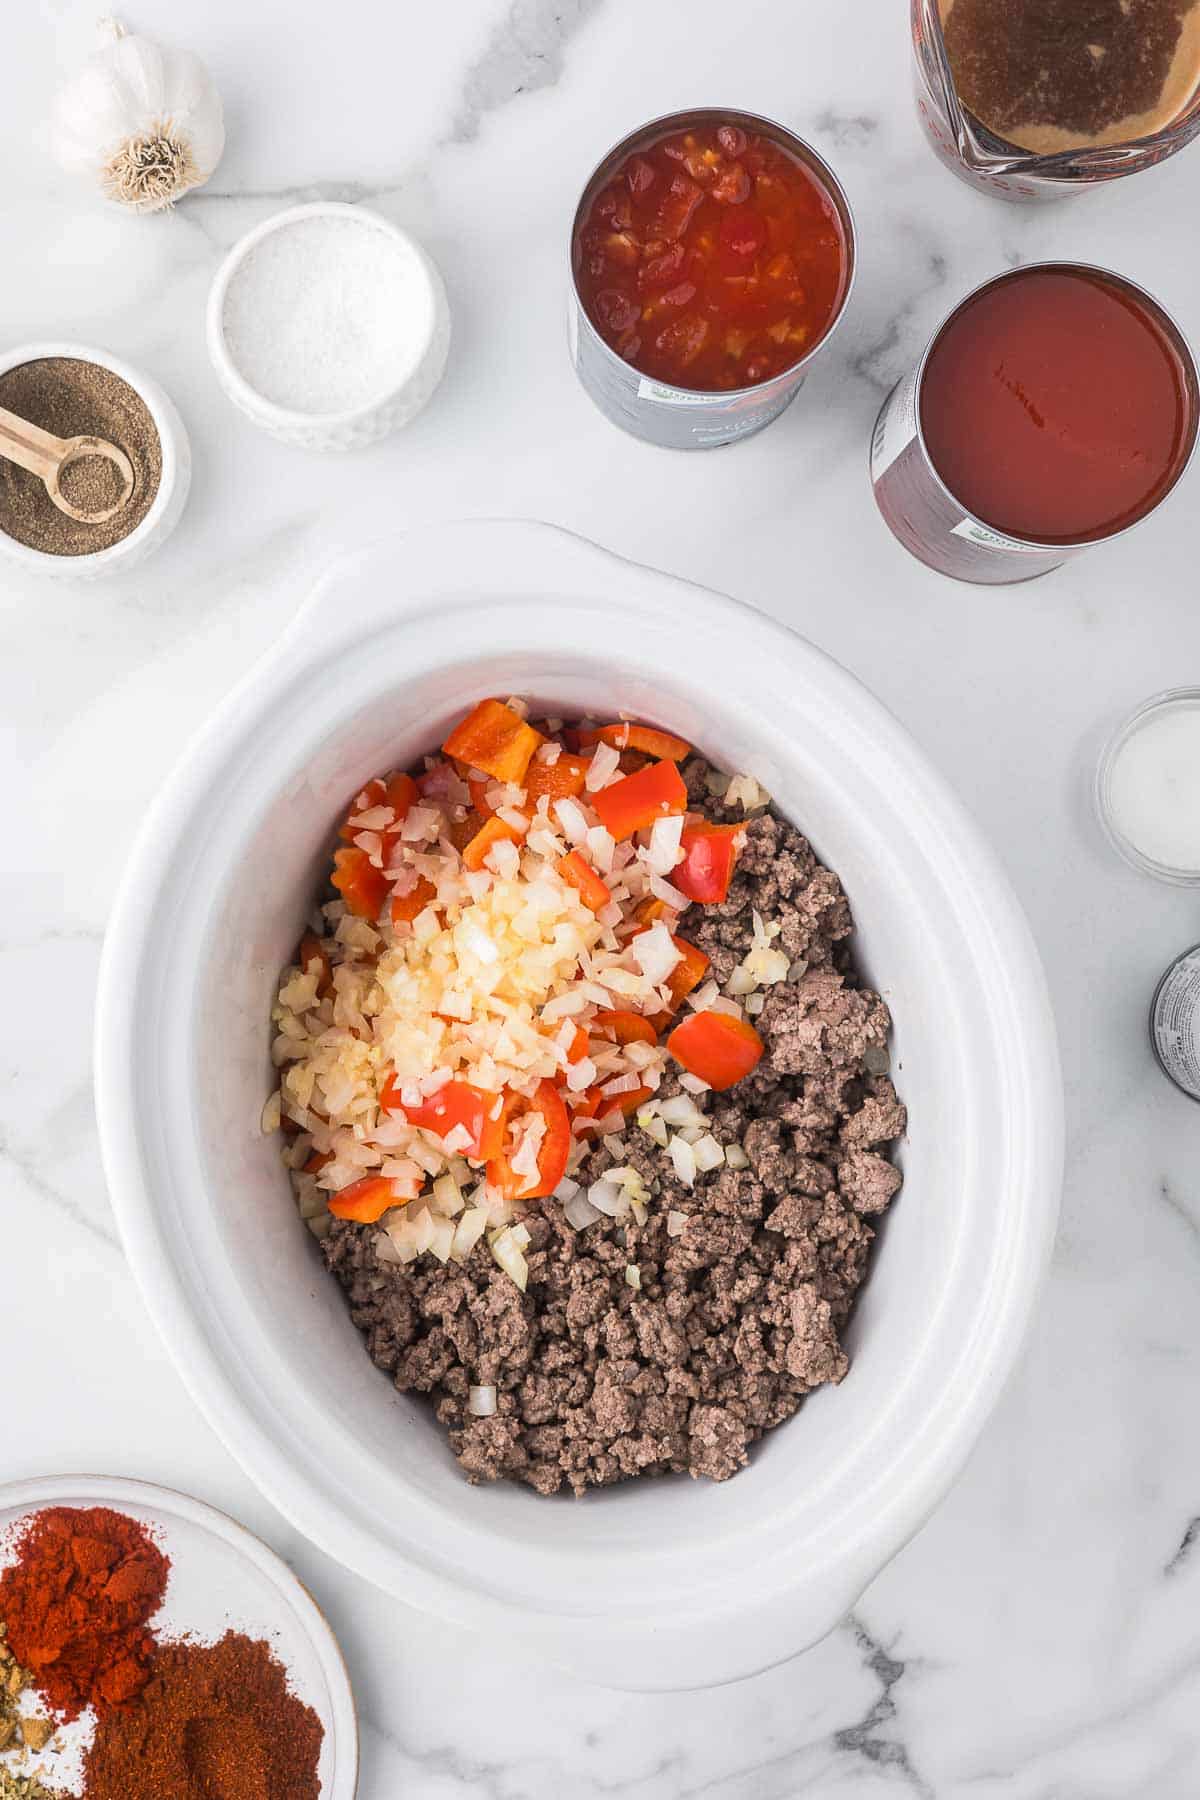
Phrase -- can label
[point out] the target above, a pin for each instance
(668, 416)
(896, 426)
(1175, 1023)
(976, 533)
(669, 396)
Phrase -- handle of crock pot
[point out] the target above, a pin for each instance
(364, 589)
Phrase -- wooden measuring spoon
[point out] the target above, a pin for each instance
(46, 455)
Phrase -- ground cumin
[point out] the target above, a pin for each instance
(73, 398)
(215, 1722)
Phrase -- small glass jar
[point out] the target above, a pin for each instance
(1001, 169)
(1116, 803)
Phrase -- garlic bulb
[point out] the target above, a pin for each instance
(142, 121)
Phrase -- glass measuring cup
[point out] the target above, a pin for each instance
(1004, 170)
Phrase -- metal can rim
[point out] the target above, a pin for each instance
(1158, 1056)
(790, 140)
(1154, 305)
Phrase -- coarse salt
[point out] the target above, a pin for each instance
(328, 314)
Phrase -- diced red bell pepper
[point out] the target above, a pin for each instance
(599, 1105)
(495, 740)
(632, 804)
(560, 780)
(688, 973)
(576, 1051)
(362, 886)
(647, 738)
(552, 1154)
(625, 1027)
(479, 786)
(310, 952)
(456, 1103)
(405, 907)
(317, 1162)
(493, 831)
(716, 1047)
(399, 791)
(709, 853)
(579, 872)
(365, 1201)
(650, 909)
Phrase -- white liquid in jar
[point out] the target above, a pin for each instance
(1153, 788)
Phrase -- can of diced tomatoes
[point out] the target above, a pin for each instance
(712, 254)
(1055, 408)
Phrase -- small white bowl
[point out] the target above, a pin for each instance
(173, 483)
(358, 426)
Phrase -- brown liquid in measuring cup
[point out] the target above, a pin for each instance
(1054, 75)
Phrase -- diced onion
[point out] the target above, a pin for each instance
(708, 1153)
(469, 1230)
(655, 953)
(481, 1401)
(664, 852)
(604, 765)
(633, 1276)
(607, 1197)
(735, 1157)
(683, 1158)
(572, 819)
(579, 1212)
(668, 894)
(679, 1110)
(600, 847)
(676, 1223)
(510, 1258)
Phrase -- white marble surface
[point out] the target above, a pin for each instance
(1039, 1639)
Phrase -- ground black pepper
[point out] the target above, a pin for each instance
(73, 398)
(92, 483)
(1075, 66)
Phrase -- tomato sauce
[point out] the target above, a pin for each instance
(1056, 406)
(712, 259)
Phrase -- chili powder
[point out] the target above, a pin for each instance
(76, 1603)
(214, 1722)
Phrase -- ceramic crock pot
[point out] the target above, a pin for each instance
(649, 1584)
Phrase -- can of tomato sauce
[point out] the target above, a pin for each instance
(1055, 408)
(712, 255)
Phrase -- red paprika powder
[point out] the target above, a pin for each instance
(76, 1603)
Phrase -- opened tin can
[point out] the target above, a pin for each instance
(667, 412)
(1175, 1023)
(1056, 407)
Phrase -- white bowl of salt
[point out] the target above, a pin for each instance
(328, 326)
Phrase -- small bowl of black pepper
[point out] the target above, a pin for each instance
(72, 390)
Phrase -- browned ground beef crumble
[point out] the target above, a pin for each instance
(737, 1319)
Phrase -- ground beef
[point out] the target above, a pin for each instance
(735, 1320)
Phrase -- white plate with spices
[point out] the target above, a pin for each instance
(222, 1578)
